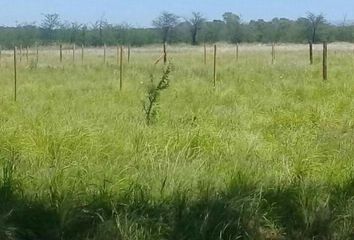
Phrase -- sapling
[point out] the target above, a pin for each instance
(153, 93)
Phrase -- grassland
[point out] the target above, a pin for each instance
(267, 154)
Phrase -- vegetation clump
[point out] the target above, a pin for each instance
(153, 93)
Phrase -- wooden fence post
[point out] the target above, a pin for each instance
(311, 52)
(237, 52)
(205, 54)
(37, 54)
(214, 65)
(61, 53)
(104, 53)
(27, 54)
(273, 53)
(0, 55)
(15, 74)
(21, 53)
(128, 53)
(118, 56)
(74, 49)
(82, 54)
(164, 53)
(325, 69)
(121, 69)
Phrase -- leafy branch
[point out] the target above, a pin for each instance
(153, 92)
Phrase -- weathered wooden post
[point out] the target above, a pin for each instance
(215, 65)
(273, 53)
(82, 54)
(311, 52)
(61, 53)
(74, 49)
(118, 56)
(128, 53)
(0, 55)
(205, 54)
(37, 54)
(237, 52)
(21, 53)
(164, 53)
(104, 53)
(27, 54)
(325, 69)
(15, 74)
(121, 69)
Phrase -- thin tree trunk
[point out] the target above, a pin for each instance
(194, 37)
(314, 35)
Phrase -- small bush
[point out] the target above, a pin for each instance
(153, 93)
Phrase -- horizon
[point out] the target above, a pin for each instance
(137, 14)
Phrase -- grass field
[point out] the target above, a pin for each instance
(267, 154)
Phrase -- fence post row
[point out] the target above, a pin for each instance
(120, 59)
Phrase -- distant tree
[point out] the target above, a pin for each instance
(303, 30)
(101, 23)
(231, 18)
(283, 30)
(98, 27)
(83, 34)
(212, 31)
(196, 22)
(345, 31)
(51, 21)
(166, 22)
(233, 26)
(181, 33)
(315, 21)
(75, 29)
(26, 34)
(49, 24)
(229, 28)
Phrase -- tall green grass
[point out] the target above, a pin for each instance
(267, 154)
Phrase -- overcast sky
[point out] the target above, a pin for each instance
(142, 12)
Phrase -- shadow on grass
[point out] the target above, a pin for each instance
(243, 211)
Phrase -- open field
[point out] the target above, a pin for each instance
(267, 154)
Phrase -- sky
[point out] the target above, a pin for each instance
(140, 13)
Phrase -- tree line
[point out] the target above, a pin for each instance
(171, 28)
